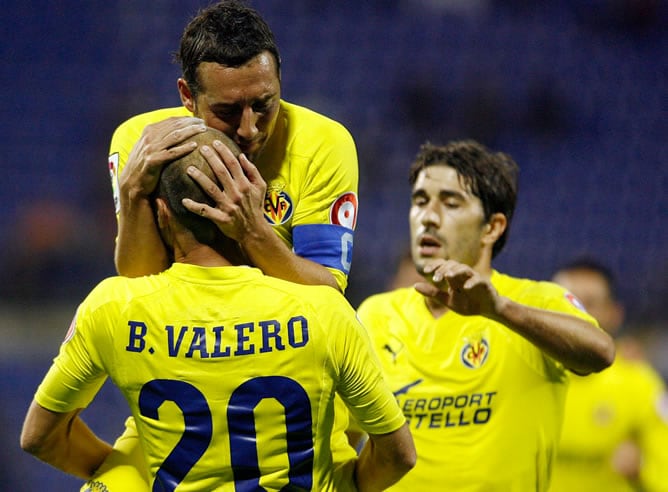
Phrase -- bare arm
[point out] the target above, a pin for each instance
(63, 440)
(574, 342)
(384, 460)
(139, 248)
(238, 213)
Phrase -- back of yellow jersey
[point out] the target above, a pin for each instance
(230, 375)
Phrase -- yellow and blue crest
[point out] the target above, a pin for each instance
(474, 354)
(277, 207)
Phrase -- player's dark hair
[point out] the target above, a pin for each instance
(491, 176)
(228, 33)
(175, 185)
(588, 264)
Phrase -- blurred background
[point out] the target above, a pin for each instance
(575, 90)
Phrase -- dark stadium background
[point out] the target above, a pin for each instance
(576, 91)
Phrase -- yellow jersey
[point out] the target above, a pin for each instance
(484, 404)
(230, 375)
(626, 402)
(310, 166)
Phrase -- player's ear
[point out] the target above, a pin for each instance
(162, 212)
(186, 95)
(494, 228)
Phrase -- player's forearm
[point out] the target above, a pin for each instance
(270, 254)
(64, 441)
(139, 248)
(80, 452)
(384, 460)
(576, 343)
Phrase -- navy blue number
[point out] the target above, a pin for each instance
(196, 436)
(241, 423)
(243, 442)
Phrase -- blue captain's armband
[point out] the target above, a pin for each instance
(327, 244)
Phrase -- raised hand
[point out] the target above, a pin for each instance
(159, 144)
(238, 194)
(460, 288)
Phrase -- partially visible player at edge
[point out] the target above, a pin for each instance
(290, 201)
(477, 359)
(615, 423)
(252, 411)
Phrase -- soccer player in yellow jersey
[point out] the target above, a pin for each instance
(477, 359)
(230, 374)
(615, 423)
(290, 200)
(296, 215)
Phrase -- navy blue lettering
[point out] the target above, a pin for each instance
(198, 343)
(482, 415)
(136, 342)
(420, 404)
(428, 410)
(271, 329)
(461, 401)
(461, 419)
(243, 338)
(218, 333)
(448, 423)
(292, 331)
(419, 416)
(174, 346)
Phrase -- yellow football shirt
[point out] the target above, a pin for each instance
(484, 405)
(310, 166)
(230, 375)
(627, 401)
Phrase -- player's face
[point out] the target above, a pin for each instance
(592, 290)
(241, 102)
(446, 220)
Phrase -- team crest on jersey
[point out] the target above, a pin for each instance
(113, 174)
(475, 352)
(343, 211)
(575, 301)
(278, 207)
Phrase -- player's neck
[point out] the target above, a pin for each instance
(202, 255)
(436, 308)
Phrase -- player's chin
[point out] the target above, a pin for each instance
(251, 149)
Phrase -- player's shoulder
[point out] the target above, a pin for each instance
(385, 302)
(319, 298)
(122, 290)
(521, 287)
(541, 294)
(135, 124)
(305, 120)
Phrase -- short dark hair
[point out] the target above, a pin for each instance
(175, 185)
(491, 176)
(228, 33)
(589, 264)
